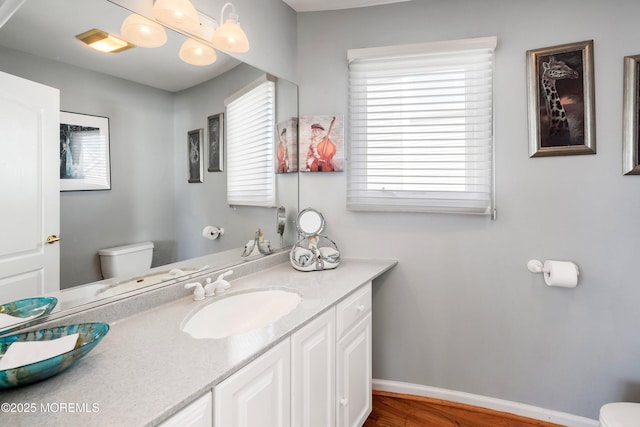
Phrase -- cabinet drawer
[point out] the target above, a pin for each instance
(352, 309)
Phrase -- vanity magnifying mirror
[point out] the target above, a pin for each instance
(310, 222)
(313, 251)
(152, 100)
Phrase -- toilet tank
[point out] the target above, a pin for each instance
(127, 260)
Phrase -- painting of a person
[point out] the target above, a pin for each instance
(321, 149)
(312, 151)
(321, 143)
(282, 153)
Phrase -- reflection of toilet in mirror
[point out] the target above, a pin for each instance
(127, 260)
(619, 414)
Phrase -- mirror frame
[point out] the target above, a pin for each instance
(310, 217)
(92, 303)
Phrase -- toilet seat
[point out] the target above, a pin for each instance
(620, 414)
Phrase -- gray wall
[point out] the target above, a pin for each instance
(461, 311)
(202, 204)
(139, 206)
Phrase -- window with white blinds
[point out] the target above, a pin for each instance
(421, 120)
(250, 139)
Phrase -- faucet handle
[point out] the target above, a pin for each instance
(221, 284)
(209, 288)
(225, 274)
(198, 291)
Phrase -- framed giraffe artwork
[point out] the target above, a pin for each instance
(560, 89)
(631, 116)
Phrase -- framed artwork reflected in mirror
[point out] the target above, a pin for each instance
(194, 147)
(84, 152)
(215, 131)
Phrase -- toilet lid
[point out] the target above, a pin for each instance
(620, 414)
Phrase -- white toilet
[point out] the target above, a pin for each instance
(125, 261)
(620, 414)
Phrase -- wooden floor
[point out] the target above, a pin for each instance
(397, 410)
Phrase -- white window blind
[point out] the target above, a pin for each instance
(421, 120)
(250, 135)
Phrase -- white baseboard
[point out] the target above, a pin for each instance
(485, 402)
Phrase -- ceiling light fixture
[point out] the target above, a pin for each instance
(229, 36)
(204, 31)
(195, 53)
(103, 41)
(143, 32)
(180, 14)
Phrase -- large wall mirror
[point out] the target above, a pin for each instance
(152, 101)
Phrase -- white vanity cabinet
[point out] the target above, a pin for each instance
(353, 359)
(197, 414)
(320, 376)
(313, 350)
(257, 395)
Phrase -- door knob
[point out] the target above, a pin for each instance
(52, 239)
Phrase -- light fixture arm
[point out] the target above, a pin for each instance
(232, 15)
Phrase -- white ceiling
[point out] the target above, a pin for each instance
(316, 5)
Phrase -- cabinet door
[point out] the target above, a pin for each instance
(313, 373)
(197, 414)
(354, 375)
(258, 395)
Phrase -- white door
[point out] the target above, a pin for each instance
(29, 188)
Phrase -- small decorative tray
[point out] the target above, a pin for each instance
(30, 309)
(90, 335)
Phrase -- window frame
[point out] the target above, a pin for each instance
(237, 169)
(359, 175)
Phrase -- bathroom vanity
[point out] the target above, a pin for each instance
(314, 363)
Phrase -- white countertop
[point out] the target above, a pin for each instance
(146, 368)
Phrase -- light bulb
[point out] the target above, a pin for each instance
(195, 53)
(230, 37)
(143, 32)
(179, 14)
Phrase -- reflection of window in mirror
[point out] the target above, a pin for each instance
(250, 139)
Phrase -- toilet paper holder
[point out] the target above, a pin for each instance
(535, 266)
(212, 232)
(556, 273)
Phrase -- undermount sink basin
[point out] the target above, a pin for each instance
(240, 313)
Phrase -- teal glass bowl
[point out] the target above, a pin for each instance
(90, 335)
(25, 308)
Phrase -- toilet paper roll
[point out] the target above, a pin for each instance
(560, 273)
(212, 232)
